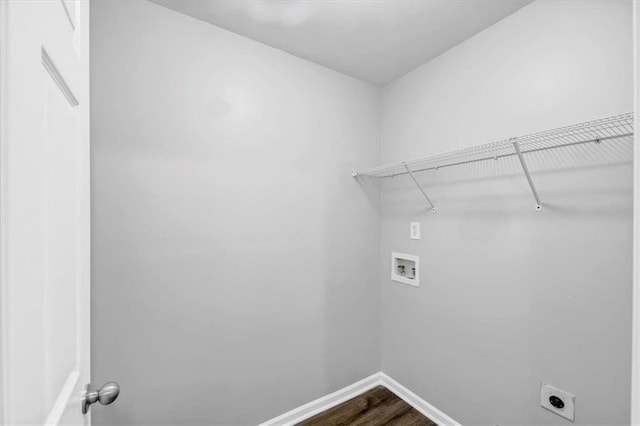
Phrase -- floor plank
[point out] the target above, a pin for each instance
(376, 407)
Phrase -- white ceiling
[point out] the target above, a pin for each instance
(374, 40)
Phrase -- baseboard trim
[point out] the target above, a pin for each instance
(418, 403)
(324, 403)
(338, 397)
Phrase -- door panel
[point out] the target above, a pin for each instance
(44, 211)
(71, 10)
(60, 301)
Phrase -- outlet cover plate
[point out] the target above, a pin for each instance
(569, 400)
(414, 230)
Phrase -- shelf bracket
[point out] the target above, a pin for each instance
(516, 145)
(426, 197)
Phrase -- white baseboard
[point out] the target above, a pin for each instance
(324, 403)
(338, 397)
(416, 402)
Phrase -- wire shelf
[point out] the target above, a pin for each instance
(596, 131)
(599, 133)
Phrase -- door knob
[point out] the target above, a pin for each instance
(105, 395)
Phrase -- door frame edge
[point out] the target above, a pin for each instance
(635, 318)
(3, 143)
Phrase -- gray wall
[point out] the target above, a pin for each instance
(234, 256)
(236, 262)
(508, 296)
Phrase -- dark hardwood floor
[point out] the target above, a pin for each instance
(376, 407)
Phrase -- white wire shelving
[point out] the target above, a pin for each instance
(602, 131)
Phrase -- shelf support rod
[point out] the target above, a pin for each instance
(426, 197)
(516, 145)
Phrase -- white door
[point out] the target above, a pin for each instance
(44, 210)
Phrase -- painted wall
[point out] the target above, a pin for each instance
(234, 256)
(510, 297)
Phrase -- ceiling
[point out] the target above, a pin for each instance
(373, 40)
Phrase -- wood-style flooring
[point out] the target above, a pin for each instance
(376, 407)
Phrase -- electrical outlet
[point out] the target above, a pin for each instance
(557, 401)
(414, 230)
